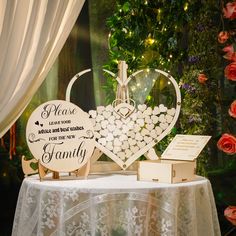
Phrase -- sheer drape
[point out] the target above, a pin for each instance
(32, 34)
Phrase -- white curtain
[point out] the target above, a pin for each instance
(32, 33)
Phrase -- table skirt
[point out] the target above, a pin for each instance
(115, 205)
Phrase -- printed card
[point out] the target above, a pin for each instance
(185, 147)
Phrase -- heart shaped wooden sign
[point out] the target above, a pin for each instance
(131, 126)
(124, 131)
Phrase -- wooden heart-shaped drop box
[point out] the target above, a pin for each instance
(177, 163)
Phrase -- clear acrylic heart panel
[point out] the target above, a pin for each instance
(91, 88)
(153, 87)
(128, 129)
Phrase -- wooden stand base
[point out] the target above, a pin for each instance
(42, 171)
(104, 167)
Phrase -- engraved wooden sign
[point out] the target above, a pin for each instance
(125, 129)
(60, 135)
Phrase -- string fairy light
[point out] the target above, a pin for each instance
(186, 6)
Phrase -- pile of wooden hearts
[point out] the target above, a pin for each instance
(125, 136)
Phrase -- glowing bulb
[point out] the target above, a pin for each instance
(152, 41)
(149, 41)
(186, 6)
(133, 88)
(171, 56)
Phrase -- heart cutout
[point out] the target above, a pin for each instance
(125, 138)
(34, 166)
(124, 108)
(124, 111)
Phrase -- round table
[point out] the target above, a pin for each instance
(115, 205)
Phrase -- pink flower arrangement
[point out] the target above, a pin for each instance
(227, 143)
(232, 109)
(230, 10)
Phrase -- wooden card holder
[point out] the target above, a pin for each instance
(178, 162)
(166, 171)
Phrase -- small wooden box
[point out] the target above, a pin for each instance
(178, 162)
(166, 171)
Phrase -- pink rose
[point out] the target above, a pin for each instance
(232, 109)
(227, 143)
(230, 71)
(229, 49)
(202, 78)
(230, 10)
(230, 56)
(223, 36)
(230, 214)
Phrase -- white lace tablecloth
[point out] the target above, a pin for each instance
(115, 205)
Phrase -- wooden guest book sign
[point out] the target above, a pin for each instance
(127, 129)
(60, 136)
